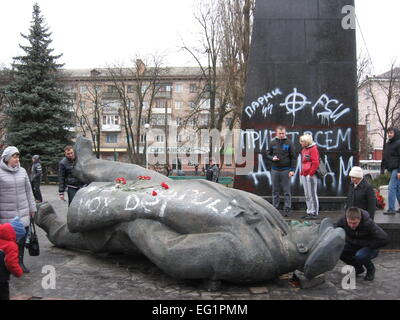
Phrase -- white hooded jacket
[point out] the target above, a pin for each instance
(16, 197)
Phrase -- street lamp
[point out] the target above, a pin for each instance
(146, 130)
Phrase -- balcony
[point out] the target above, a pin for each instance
(110, 95)
(161, 110)
(111, 128)
(163, 94)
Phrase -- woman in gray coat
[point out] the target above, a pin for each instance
(16, 197)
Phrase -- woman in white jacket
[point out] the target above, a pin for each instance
(16, 197)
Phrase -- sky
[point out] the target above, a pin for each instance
(96, 33)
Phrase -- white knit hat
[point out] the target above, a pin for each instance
(356, 172)
(9, 152)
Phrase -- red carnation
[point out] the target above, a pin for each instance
(164, 185)
(154, 193)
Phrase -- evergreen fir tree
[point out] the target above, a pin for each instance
(39, 117)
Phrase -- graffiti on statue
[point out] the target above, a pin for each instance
(325, 108)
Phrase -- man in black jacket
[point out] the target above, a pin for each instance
(36, 176)
(363, 240)
(391, 162)
(66, 177)
(361, 194)
(281, 153)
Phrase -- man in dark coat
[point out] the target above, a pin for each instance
(67, 179)
(281, 154)
(212, 171)
(363, 240)
(361, 194)
(391, 162)
(36, 176)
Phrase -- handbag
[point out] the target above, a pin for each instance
(321, 171)
(33, 242)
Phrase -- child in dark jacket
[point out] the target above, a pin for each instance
(10, 233)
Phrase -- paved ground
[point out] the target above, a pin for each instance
(83, 275)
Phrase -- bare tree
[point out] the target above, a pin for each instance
(223, 60)
(207, 56)
(88, 111)
(145, 74)
(384, 92)
(236, 20)
(363, 68)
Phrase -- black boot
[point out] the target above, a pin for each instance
(21, 250)
(370, 272)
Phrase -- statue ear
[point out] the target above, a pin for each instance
(326, 251)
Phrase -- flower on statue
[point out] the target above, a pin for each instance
(164, 185)
(144, 178)
(119, 182)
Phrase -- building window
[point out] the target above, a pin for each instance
(160, 138)
(178, 121)
(83, 89)
(112, 138)
(178, 88)
(178, 104)
(193, 88)
(146, 104)
(158, 120)
(112, 89)
(179, 138)
(192, 105)
(161, 103)
(111, 120)
(144, 88)
(130, 88)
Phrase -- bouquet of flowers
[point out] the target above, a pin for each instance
(380, 200)
(119, 182)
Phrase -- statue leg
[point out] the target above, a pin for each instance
(110, 239)
(214, 255)
(57, 230)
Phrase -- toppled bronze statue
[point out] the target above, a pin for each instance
(192, 229)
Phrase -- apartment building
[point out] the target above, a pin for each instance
(374, 96)
(179, 108)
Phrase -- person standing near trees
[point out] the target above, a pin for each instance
(16, 197)
(283, 157)
(67, 179)
(391, 162)
(36, 176)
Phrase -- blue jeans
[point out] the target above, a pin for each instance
(71, 194)
(358, 258)
(394, 190)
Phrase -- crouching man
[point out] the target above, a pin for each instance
(363, 240)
